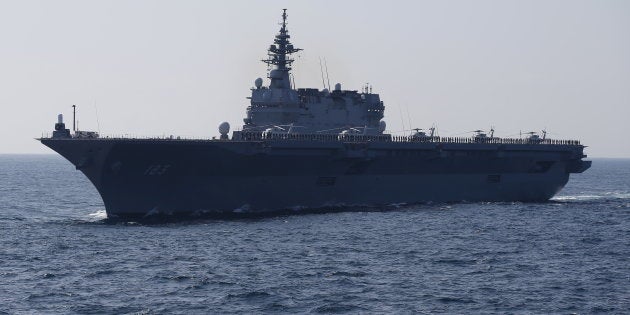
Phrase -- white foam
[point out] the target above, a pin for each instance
(607, 195)
(618, 195)
(577, 197)
(98, 215)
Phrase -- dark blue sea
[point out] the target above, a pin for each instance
(59, 254)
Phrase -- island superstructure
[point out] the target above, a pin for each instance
(280, 107)
(306, 148)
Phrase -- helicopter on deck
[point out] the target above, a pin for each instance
(535, 138)
(480, 136)
(421, 136)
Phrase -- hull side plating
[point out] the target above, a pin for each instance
(136, 178)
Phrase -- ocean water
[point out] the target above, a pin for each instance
(58, 254)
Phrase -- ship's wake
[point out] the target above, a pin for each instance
(614, 195)
(615, 199)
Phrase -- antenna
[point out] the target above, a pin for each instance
(401, 118)
(295, 71)
(491, 131)
(74, 118)
(98, 124)
(408, 116)
(278, 56)
(327, 79)
(321, 70)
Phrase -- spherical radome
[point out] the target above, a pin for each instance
(382, 125)
(224, 128)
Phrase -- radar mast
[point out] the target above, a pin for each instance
(279, 57)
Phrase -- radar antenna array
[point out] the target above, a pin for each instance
(277, 53)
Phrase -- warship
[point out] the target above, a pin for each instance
(306, 148)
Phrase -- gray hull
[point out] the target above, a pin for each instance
(310, 148)
(141, 177)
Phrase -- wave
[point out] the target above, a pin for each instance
(98, 215)
(594, 197)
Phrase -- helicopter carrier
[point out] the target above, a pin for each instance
(306, 148)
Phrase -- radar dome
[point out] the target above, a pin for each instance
(258, 83)
(224, 128)
(325, 91)
(382, 126)
(338, 87)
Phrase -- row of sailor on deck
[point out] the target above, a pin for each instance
(247, 135)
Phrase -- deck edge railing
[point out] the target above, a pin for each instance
(262, 136)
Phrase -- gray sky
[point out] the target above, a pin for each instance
(182, 67)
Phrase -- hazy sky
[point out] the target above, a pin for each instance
(182, 67)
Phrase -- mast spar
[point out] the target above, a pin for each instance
(279, 56)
